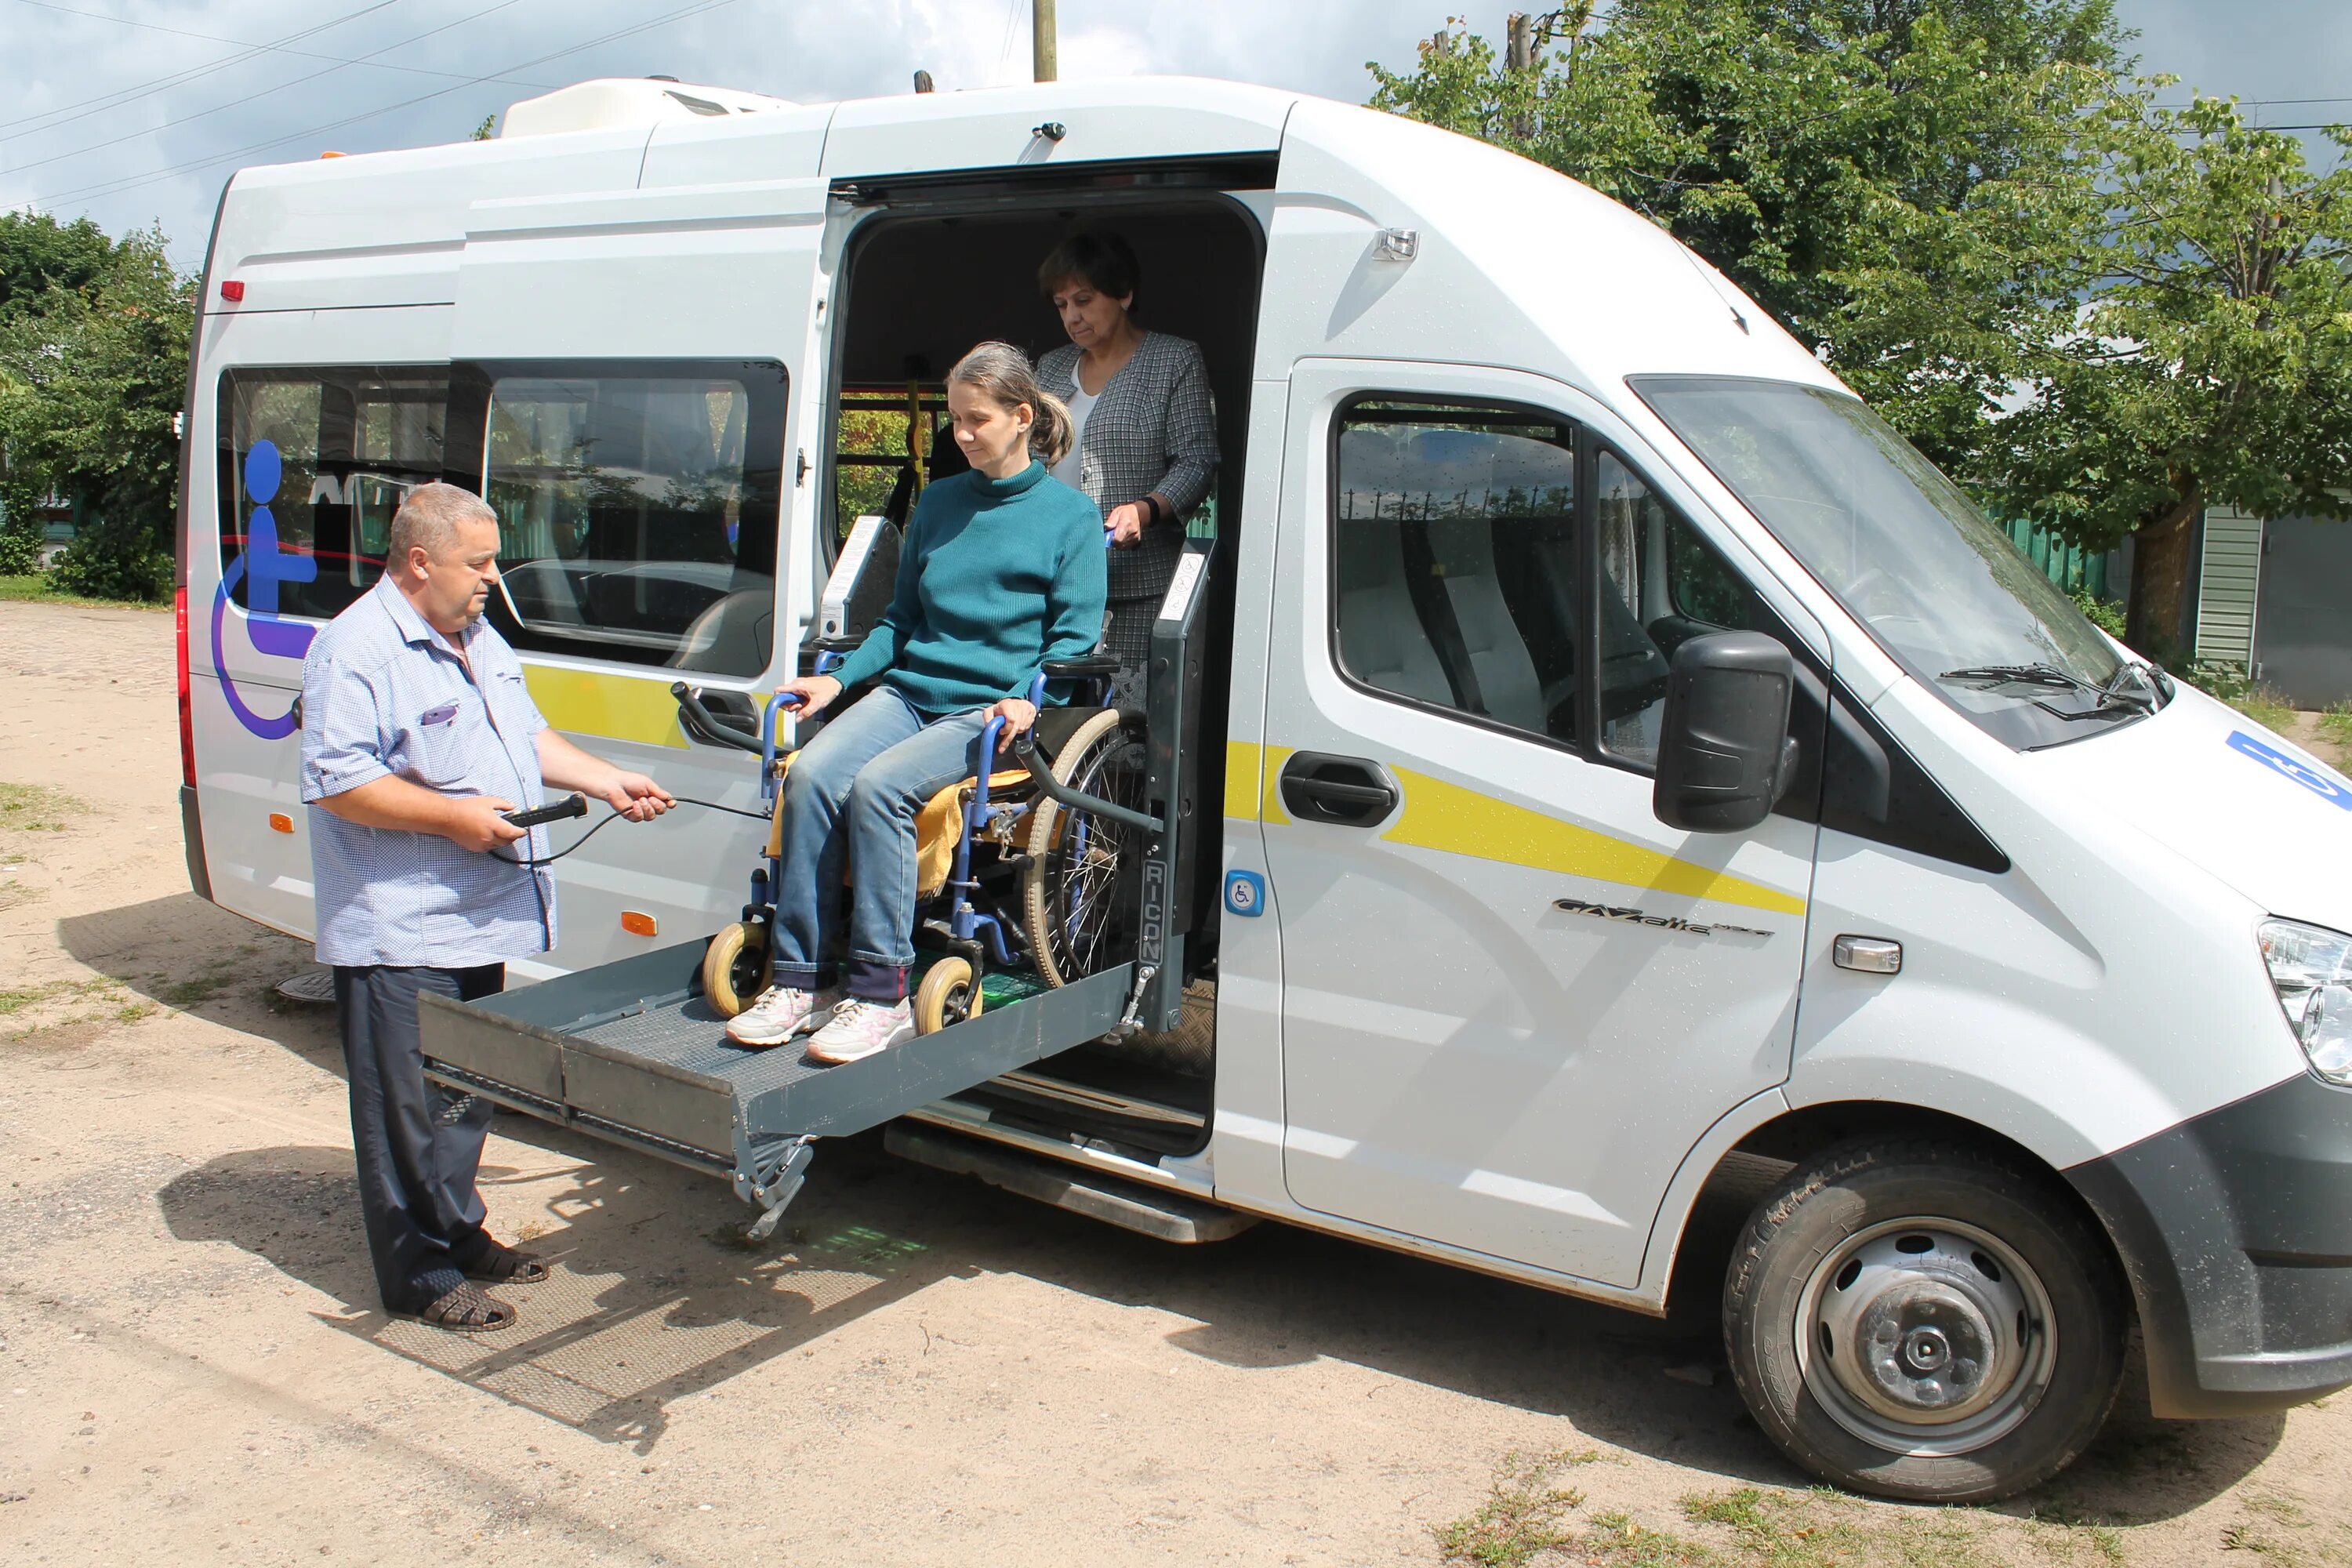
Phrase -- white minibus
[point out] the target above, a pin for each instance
(1584, 751)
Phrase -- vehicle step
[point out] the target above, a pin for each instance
(1131, 1205)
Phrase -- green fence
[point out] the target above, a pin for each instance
(2069, 566)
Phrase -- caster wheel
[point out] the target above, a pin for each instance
(735, 968)
(949, 994)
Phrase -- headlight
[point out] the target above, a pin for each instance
(2310, 967)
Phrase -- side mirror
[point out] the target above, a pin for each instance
(1725, 757)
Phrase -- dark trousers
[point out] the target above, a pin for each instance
(419, 1145)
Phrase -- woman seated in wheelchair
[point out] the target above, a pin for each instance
(1002, 572)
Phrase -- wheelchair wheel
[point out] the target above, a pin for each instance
(1078, 890)
(735, 967)
(949, 994)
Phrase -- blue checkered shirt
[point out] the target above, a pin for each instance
(384, 693)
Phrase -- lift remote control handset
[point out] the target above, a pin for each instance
(573, 805)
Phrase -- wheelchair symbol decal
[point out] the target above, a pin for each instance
(2309, 775)
(262, 566)
(1245, 894)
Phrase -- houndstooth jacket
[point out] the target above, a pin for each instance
(1153, 428)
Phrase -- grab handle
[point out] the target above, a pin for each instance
(1024, 748)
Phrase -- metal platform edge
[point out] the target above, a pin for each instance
(524, 1066)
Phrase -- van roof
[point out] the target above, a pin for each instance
(1519, 265)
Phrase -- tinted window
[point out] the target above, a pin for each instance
(1454, 566)
(637, 513)
(312, 463)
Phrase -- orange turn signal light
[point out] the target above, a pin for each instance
(636, 923)
(280, 823)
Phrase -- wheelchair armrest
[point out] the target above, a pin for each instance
(1092, 664)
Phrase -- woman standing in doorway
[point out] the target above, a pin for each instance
(1146, 436)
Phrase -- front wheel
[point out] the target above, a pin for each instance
(949, 994)
(735, 967)
(1925, 1321)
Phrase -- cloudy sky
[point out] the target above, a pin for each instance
(137, 111)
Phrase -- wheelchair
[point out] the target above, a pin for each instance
(1016, 890)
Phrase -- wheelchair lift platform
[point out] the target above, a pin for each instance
(631, 1052)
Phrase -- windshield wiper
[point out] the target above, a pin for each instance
(2032, 677)
(2111, 701)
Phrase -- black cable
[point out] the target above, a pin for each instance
(679, 799)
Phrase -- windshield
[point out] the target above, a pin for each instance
(1908, 555)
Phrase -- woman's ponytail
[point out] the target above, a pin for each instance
(1051, 436)
(1003, 374)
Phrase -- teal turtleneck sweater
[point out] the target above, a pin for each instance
(997, 576)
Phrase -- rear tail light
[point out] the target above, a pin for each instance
(187, 714)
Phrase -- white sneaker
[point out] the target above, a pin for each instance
(781, 1012)
(860, 1028)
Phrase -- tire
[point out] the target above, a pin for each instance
(949, 994)
(1994, 1308)
(1071, 897)
(735, 967)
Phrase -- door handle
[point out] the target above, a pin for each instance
(1349, 791)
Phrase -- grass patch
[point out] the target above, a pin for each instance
(1524, 1516)
(1618, 1541)
(2255, 1544)
(2268, 708)
(14, 894)
(2074, 1532)
(37, 808)
(199, 988)
(40, 588)
(1780, 1530)
(2335, 725)
(15, 1002)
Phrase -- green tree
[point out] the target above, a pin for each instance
(1894, 180)
(91, 378)
(2211, 361)
(38, 253)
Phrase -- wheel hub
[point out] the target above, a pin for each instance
(1924, 1336)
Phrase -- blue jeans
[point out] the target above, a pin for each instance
(850, 805)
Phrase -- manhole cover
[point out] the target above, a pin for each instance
(317, 985)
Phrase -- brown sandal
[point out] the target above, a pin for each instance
(497, 1264)
(467, 1310)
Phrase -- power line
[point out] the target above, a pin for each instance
(249, 44)
(132, 182)
(106, 101)
(281, 87)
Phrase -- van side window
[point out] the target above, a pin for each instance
(1454, 561)
(1661, 584)
(638, 512)
(312, 463)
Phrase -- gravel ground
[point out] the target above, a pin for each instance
(917, 1370)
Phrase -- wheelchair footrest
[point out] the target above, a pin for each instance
(630, 1053)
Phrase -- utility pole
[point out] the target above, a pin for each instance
(1519, 61)
(1042, 41)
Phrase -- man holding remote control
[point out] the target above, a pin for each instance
(419, 739)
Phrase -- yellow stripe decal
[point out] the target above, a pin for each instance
(1250, 787)
(1458, 821)
(608, 707)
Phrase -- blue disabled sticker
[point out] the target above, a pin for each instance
(1245, 894)
(2310, 775)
